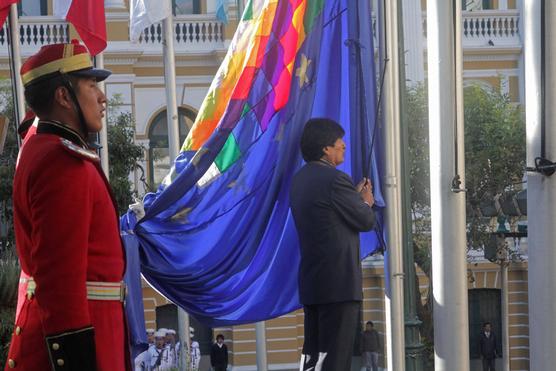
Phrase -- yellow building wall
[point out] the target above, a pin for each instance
(285, 334)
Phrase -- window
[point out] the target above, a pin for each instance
(159, 157)
(476, 4)
(32, 7)
(186, 7)
(484, 306)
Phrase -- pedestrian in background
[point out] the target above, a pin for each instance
(370, 347)
(487, 343)
(219, 354)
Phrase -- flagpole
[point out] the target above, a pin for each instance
(183, 334)
(170, 81)
(447, 178)
(173, 144)
(539, 53)
(260, 336)
(393, 184)
(17, 83)
(103, 135)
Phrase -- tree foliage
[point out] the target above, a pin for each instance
(7, 169)
(123, 153)
(494, 154)
(9, 267)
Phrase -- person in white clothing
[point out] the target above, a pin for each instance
(195, 359)
(158, 354)
(142, 361)
(150, 336)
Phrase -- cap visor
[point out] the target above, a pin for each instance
(97, 73)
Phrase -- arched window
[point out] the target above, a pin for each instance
(159, 158)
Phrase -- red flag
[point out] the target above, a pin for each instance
(88, 18)
(5, 9)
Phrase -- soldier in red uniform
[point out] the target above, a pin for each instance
(66, 225)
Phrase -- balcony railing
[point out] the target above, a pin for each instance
(491, 28)
(485, 28)
(187, 31)
(195, 31)
(481, 29)
(37, 31)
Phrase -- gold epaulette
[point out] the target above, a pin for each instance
(79, 152)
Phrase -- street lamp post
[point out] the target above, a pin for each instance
(413, 346)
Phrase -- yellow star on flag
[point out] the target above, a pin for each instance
(301, 71)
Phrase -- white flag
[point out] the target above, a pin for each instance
(144, 13)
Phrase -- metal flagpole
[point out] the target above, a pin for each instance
(449, 263)
(170, 81)
(183, 332)
(17, 83)
(103, 135)
(393, 186)
(173, 145)
(260, 331)
(413, 346)
(505, 316)
(539, 54)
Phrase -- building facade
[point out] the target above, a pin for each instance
(493, 58)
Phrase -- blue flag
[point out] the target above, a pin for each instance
(221, 13)
(218, 238)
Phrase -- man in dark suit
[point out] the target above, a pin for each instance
(487, 342)
(219, 354)
(329, 212)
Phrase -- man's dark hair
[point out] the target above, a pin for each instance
(219, 336)
(317, 134)
(40, 95)
(370, 323)
(487, 323)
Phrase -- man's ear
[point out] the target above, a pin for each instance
(63, 98)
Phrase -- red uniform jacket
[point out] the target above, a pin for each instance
(67, 233)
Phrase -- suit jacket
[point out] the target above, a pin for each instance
(67, 233)
(329, 214)
(218, 355)
(487, 345)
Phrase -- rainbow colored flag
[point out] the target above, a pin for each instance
(218, 238)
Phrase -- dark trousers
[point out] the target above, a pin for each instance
(220, 368)
(488, 364)
(330, 331)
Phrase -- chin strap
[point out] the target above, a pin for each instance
(83, 125)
